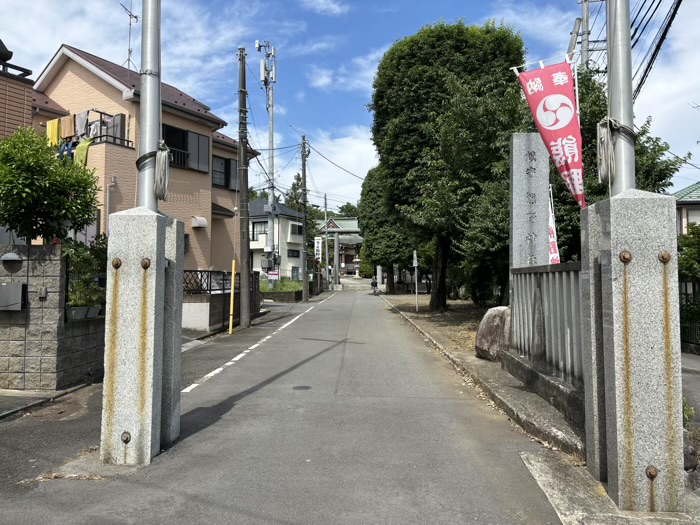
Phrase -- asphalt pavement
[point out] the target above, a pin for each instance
(328, 412)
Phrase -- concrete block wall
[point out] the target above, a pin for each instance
(38, 349)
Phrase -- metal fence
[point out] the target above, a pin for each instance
(206, 281)
(546, 318)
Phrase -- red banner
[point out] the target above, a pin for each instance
(550, 94)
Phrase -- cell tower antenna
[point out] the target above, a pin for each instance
(133, 19)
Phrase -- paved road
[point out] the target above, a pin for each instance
(336, 413)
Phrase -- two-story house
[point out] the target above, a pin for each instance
(288, 236)
(100, 100)
(687, 207)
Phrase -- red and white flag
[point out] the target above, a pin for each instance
(553, 248)
(551, 96)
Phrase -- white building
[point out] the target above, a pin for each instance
(288, 238)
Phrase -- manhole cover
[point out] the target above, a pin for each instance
(301, 387)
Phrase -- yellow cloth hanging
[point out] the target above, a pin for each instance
(81, 152)
(53, 131)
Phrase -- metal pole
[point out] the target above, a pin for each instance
(269, 85)
(585, 32)
(325, 216)
(244, 214)
(620, 93)
(150, 102)
(305, 273)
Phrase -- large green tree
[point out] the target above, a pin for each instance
(41, 195)
(385, 241)
(348, 210)
(427, 184)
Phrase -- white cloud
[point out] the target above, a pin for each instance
(325, 7)
(670, 89)
(546, 24)
(323, 44)
(357, 75)
(319, 77)
(350, 147)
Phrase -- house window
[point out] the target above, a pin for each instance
(294, 253)
(188, 149)
(224, 172)
(694, 216)
(295, 273)
(297, 229)
(259, 228)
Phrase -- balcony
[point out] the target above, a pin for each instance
(179, 158)
(258, 240)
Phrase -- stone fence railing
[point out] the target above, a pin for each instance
(546, 319)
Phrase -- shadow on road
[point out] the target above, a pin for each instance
(201, 418)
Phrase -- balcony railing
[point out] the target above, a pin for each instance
(179, 158)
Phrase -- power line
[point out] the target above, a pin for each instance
(336, 165)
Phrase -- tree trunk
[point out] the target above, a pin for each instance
(390, 281)
(438, 295)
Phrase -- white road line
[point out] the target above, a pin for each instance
(321, 302)
(192, 344)
(213, 373)
(245, 352)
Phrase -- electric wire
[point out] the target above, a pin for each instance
(336, 165)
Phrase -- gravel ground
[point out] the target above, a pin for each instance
(457, 324)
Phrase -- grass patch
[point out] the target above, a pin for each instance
(282, 285)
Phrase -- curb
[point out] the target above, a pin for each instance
(544, 432)
(39, 402)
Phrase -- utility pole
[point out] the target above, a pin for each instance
(150, 105)
(585, 32)
(305, 273)
(268, 76)
(325, 216)
(620, 94)
(243, 217)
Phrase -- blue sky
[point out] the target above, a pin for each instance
(327, 54)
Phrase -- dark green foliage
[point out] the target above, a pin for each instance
(689, 270)
(85, 266)
(433, 127)
(385, 241)
(348, 210)
(40, 195)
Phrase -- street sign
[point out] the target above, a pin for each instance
(273, 275)
(415, 258)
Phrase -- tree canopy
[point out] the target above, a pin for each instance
(434, 165)
(41, 195)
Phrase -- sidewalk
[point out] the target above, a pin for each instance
(14, 401)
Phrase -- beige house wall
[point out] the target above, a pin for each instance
(15, 105)
(77, 89)
(226, 238)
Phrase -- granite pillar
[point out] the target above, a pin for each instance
(172, 331)
(132, 392)
(529, 201)
(592, 342)
(641, 337)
